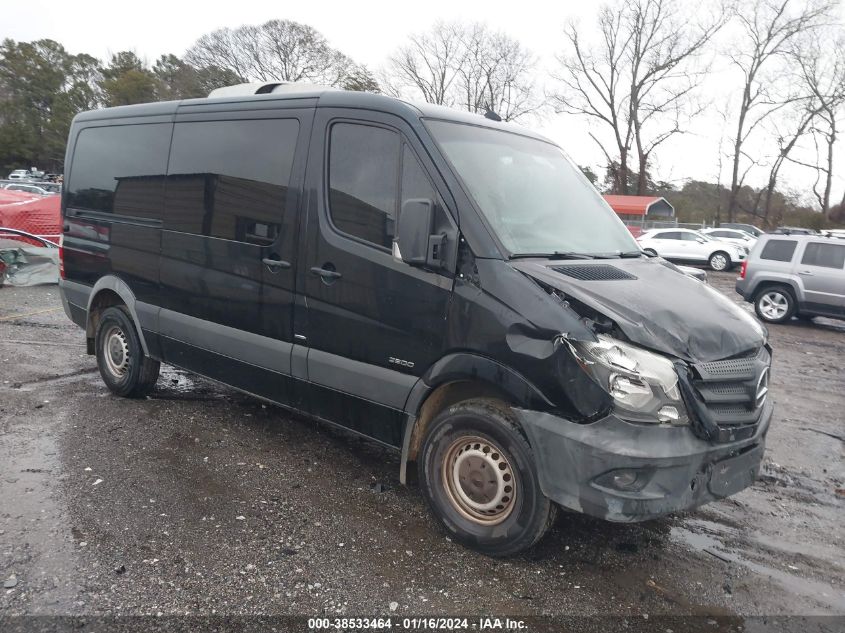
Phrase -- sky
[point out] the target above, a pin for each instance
(369, 31)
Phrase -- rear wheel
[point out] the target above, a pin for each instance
(720, 261)
(774, 304)
(478, 476)
(124, 367)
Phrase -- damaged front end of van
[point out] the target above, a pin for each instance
(683, 411)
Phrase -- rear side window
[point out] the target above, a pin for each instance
(120, 169)
(826, 255)
(229, 179)
(669, 235)
(364, 181)
(778, 250)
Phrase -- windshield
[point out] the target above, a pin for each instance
(532, 196)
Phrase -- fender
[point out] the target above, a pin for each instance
(120, 287)
(468, 366)
(461, 367)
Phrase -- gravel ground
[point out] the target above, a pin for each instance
(198, 500)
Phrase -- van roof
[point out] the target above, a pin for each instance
(311, 96)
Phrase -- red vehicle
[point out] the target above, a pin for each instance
(39, 215)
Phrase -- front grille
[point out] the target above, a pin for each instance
(730, 395)
(593, 272)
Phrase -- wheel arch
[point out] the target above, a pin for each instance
(770, 282)
(110, 291)
(455, 378)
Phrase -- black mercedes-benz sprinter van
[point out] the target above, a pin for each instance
(445, 284)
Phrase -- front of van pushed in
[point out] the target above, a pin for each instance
(446, 285)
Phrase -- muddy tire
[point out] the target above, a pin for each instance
(774, 304)
(477, 473)
(124, 367)
(720, 261)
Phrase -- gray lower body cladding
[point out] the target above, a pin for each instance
(674, 469)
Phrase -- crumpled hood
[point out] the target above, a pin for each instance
(660, 308)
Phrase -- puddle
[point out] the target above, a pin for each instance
(711, 544)
(172, 379)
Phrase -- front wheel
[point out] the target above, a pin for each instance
(478, 476)
(720, 261)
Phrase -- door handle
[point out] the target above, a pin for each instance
(326, 273)
(805, 272)
(276, 264)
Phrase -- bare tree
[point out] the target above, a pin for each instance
(639, 79)
(496, 74)
(466, 65)
(820, 66)
(768, 29)
(428, 64)
(807, 109)
(279, 50)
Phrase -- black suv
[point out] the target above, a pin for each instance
(444, 284)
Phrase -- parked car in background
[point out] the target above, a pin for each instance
(688, 246)
(20, 174)
(695, 273)
(31, 188)
(836, 233)
(799, 275)
(794, 230)
(734, 236)
(748, 228)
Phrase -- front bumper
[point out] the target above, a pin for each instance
(679, 470)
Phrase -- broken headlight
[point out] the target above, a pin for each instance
(644, 385)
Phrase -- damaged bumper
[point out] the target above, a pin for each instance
(627, 472)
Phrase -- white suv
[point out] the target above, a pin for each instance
(688, 246)
(20, 174)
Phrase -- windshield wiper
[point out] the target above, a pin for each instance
(631, 254)
(555, 255)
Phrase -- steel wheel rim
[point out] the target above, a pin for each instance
(718, 262)
(479, 480)
(774, 305)
(116, 351)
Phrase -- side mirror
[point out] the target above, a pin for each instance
(416, 244)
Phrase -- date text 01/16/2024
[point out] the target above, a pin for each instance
(417, 624)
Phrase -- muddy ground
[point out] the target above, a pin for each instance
(200, 500)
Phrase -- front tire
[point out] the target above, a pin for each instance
(124, 367)
(720, 261)
(478, 475)
(774, 304)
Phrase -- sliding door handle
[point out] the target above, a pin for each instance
(326, 273)
(275, 264)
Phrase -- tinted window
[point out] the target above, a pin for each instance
(778, 250)
(120, 169)
(721, 233)
(827, 255)
(364, 182)
(690, 237)
(669, 235)
(229, 179)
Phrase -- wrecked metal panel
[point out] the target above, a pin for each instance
(493, 309)
(661, 309)
(29, 265)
